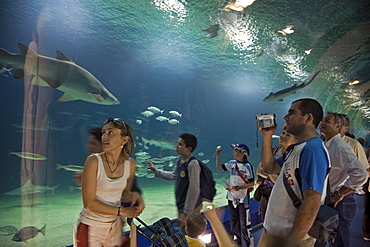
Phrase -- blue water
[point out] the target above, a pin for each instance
(154, 53)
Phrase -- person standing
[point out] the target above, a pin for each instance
(106, 182)
(347, 175)
(186, 173)
(362, 157)
(241, 179)
(306, 166)
(267, 181)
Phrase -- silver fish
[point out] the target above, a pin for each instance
(173, 121)
(147, 113)
(162, 118)
(175, 113)
(30, 156)
(155, 109)
(71, 168)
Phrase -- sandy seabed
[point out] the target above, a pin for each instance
(59, 213)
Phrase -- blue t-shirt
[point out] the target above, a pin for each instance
(306, 167)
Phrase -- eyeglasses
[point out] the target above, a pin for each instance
(117, 121)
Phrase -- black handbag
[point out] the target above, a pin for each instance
(327, 220)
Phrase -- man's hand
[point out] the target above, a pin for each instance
(269, 131)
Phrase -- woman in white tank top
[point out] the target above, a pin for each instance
(106, 182)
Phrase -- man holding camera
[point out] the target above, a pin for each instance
(305, 166)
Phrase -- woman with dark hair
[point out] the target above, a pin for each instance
(106, 182)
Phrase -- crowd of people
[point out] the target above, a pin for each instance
(308, 161)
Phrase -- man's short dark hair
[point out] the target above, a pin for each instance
(195, 224)
(307, 106)
(189, 140)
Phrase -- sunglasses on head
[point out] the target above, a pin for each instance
(116, 121)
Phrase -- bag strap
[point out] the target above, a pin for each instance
(296, 202)
(240, 174)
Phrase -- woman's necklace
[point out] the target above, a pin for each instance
(114, 162)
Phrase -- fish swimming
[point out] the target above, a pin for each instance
(29, 156)
(162, 118)
(141, 153)
(147, 113)
(173, 121)
(212, 31)
(8, 230)
(29, 188)
(155, 109)
(61, 73)
(28, 232)
(6, 71)
(159, 143)
(175, 113)
(280, 95)
(71, 168)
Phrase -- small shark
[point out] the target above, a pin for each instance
(76, 82)
(280, 95)
(29, 188)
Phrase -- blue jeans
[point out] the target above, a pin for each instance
(240, 223)
(346, 211)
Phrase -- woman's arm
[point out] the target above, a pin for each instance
(89, 189)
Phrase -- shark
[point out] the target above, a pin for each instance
(212, 31)
(280, 95)
(29, 188)
(61, 73)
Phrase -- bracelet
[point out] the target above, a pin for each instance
(119, 211)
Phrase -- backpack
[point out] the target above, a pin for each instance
(207, 183)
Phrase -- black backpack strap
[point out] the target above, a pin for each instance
(296, 202)
(293, 196)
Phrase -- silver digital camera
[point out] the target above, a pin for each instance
(265, 121)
